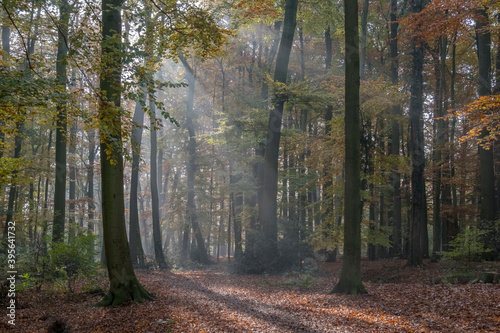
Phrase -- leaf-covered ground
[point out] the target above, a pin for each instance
(400, 300)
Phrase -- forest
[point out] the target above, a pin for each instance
(250, 166)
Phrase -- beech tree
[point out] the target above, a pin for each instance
(350, 277)
(124, 285)
(62, 119)
(268, 208)
(419, 206)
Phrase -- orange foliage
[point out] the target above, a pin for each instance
(484, 116)
(260, 8)
(444, 18)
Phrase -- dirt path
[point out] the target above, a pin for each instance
(213, 301)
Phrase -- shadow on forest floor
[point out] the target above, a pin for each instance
(212, 300)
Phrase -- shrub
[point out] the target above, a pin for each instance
(73, 259)
(468, 246)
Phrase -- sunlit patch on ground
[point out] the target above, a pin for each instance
(215, 301)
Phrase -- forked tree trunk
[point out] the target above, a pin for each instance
(268, 208)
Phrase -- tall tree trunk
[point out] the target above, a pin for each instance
(136, 249)
(62, 118)
(452, 136)
(237, 200)
(448, 227)
(268, 209)
(350, 277)
(364, 23)
(90, 179)
(72, 178)
(124, 285)
(418, 206)
(437, 155)
(267, 66)
(483, 37)
(155, 204)
(18, 139)
(331, 256)
(395, 213)
(72, 169)
(191, 213)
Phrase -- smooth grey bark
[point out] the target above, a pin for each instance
(236, 208)
(331, 256)
(18, 140)
(61, 124)
(72, 179)
(364, 24)
(350, 278)
(267, 64)
(135, 242)
(90, 179)
(394, 214)
(268, 208)
(437, 155)
(418, 206)
(155, 202)
(486, 161)
(124, 285)
(191, 213)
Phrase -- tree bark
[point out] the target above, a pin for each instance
(364, 23)
(487, 175)
(155, 204)
(268, 209)
(124, 285)
(136, 248)
(418, 207)
(350, 277)
(61, 106)
(191, 213)
(395, 213)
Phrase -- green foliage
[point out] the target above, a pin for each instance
(460, 274)
(378, 236)
(60, 262)
(302, 280)
(468, 246)
(74, 259)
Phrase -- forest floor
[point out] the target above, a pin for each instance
(400, 299)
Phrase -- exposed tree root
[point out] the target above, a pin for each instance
(122, 293)
(349, 287)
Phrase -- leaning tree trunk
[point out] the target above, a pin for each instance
(60, 180)
(268, 208)
(350, 277)
(124, 285)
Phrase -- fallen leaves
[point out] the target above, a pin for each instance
(213, 301)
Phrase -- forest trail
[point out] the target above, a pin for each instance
(215, 301)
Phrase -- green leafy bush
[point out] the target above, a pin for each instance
(73, 259)
(468, 246)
